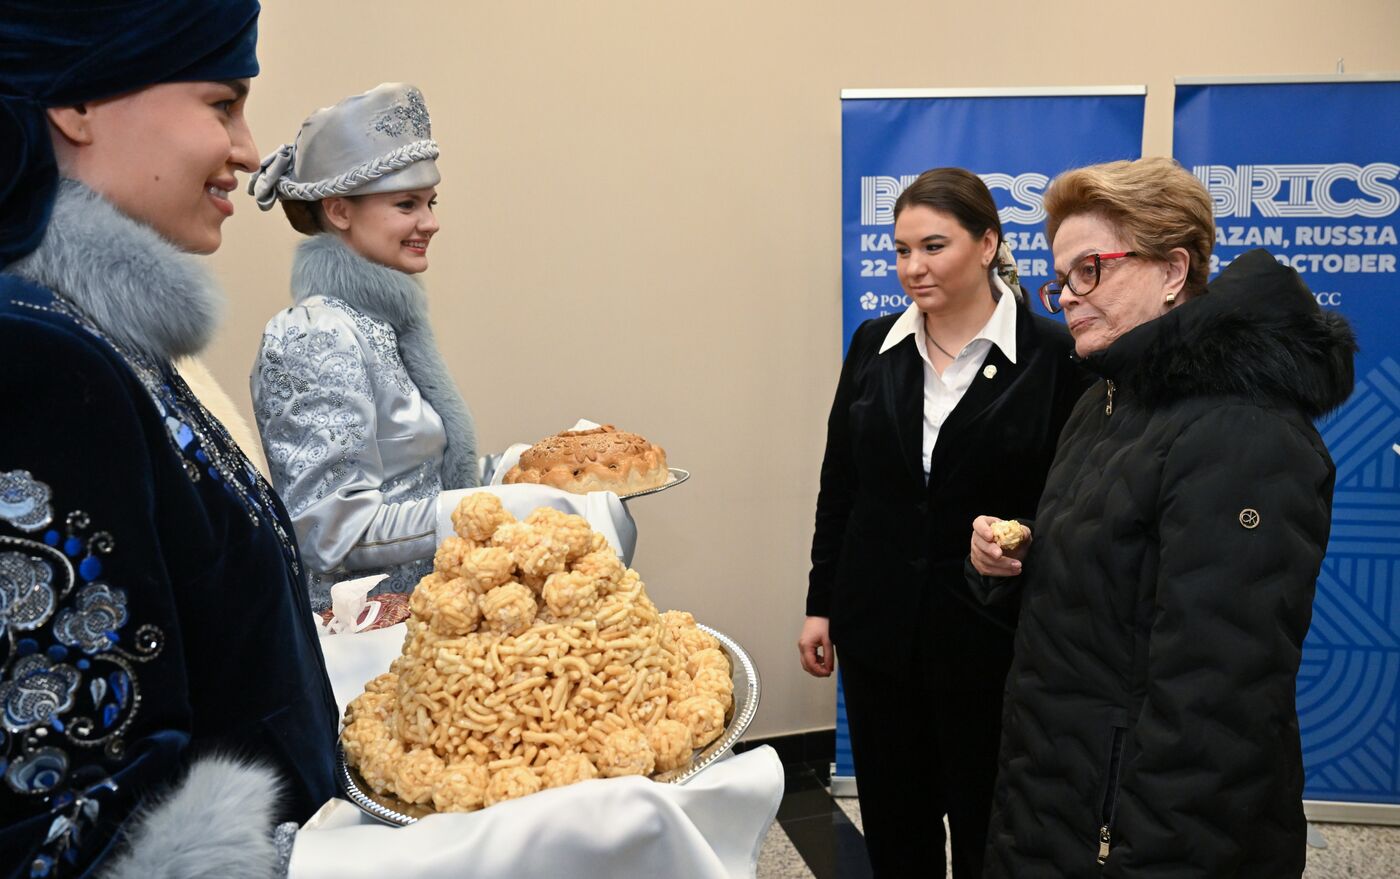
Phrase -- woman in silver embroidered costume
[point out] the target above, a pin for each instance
(362, 425)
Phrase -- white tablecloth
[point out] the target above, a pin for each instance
(709, 828)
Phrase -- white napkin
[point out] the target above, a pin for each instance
(709, 828)
(351, 609)
(351, 662)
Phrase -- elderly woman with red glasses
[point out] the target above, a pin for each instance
(1165, 585)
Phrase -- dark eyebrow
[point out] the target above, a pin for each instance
(926, 239)
(239, 86)
(1080, 257)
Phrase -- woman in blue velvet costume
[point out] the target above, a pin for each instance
(163, 698)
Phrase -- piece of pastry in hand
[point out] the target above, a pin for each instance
(1009, 533)
(601, 459)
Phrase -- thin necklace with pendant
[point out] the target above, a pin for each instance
(938, 346)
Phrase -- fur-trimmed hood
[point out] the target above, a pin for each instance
(326, 266)
(1258, 333)
(139, 289)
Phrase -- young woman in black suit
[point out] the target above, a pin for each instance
(943, 412)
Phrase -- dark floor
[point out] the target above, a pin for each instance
(818, 836)
(828, 842)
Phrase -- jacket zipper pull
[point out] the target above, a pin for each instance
(1104, 840)
(1108, 407)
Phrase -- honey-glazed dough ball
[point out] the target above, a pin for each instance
(626, 752)
(378, 757)
(710, 657)
(703, 714)
(487, 567)
(1008, 533)
(370, 705)
(680, 687)
(568, 529)
(568, 769)
(509, 609)
(417, 774)
(534, 549)
(510, 783)
(670, 741)
(385, 683)
(716, 684)
(420, 601)
(692, 640)
(366, 731)
(457, 610)
(569, 594)
(602, 565)
(461, 787)
(677, 619)
(450, 555)
(478, 515)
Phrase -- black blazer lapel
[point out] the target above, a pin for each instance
(906, 376)
(984, 392)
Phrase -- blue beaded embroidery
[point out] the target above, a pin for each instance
(69, 686)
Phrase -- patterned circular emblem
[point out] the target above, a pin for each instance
(990, 371)
(1249, 518)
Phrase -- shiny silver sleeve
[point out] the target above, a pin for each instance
(316, 414)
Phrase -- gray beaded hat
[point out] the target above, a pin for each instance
(380, 141)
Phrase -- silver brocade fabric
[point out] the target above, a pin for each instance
(354, 449)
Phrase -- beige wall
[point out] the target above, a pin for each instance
(641, 224)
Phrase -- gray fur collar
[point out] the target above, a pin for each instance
(140, 290)
(325, 266)
(217, 822)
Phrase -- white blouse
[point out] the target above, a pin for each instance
(942, 392)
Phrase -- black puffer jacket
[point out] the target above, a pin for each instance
(1150, 705)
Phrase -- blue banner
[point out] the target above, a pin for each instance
(1016, 143)
(1311, 171)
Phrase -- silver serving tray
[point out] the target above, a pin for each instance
(392, 810)
(677, 477)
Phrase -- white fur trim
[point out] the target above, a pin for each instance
(218, 822)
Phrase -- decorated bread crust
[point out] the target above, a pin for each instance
(601, 459)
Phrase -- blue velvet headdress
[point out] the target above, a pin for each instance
(56, 53)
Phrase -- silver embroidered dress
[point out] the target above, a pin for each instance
(354, 448)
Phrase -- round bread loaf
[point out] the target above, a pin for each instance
(601, 459)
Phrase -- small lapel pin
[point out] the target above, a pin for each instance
(989, 371)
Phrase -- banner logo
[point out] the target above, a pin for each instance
(879, 192)
(1336, 190)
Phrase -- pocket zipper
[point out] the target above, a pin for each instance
(1110, 794)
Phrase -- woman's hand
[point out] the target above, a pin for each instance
(814, 647)
(988, 557)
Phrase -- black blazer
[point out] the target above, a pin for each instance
(888, 550)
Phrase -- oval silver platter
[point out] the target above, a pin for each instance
(392, 810)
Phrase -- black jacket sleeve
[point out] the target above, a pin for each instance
(838, 478)
(1243, 524)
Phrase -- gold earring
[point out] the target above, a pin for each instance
(1171, 298)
